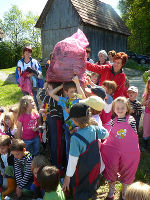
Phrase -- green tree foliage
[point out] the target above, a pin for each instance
(19, 31)
(136, 14)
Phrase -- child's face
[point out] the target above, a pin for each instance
(18, 154)
(35, 171)
(120, 109)
(8, 122)
(31, 104)
(70, 92)
(4, 149)
(132, 95)
(94, 78)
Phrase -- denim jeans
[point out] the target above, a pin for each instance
(33, 146)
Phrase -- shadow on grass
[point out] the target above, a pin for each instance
(10, 80)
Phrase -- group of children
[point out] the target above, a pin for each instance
(88, 133)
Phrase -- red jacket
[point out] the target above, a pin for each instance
(106, 73)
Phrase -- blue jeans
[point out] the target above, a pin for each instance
(67, 140)
(33, 146)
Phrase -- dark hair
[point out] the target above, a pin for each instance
(48, 178)
(5, 140)
(68, 85)
(54, 85)
(122, 56)
(88, 50)
(17, 145)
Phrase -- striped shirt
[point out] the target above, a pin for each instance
(136, 106)
(132, 122)
(22, 169)
(54, 109)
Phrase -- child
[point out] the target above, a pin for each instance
(111, 55)
(48, 178)
(120, 151)
(54, 122)
(136, 107)
(37, 162)
(96, 106)
(9, 124)
(70, 89)
(146, 119)
(138, 191)
(84, 155)
(95, 78)
(14, 111)
(28, 124)
(110, 88)
(6, 165)
(22, 166)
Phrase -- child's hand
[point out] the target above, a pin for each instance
(18, 191)
(66, 183)
(68, 110)
(75, 79)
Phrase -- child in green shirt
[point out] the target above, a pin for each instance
(48, 178)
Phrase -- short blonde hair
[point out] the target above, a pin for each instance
(5, 140)
(122, 100)
(39, 161)
(138, 191)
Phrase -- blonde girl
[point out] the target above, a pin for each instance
(120, 151)
(28, 124)
(14, 111)
(138, 191)
(9, 124)
(146, 119)
(84, 154)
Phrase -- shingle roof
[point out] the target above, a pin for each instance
(1, 34)
(93, 12)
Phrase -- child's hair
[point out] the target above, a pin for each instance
(68, 85)
(122, 100)
(9, 116)
(14, 109)
(138, 191)
(94, 112)
(48, 178)
(111, 86)
(39, 161)
(23, 105)
(5, 140)
(146, 91)
(17, 145)
(55, 85)
(86, 121)
(112, 53)
(88, 50)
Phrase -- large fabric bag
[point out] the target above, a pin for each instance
(69, 59)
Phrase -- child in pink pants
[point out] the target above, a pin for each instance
(120, 151)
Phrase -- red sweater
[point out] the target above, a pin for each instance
(107, 74)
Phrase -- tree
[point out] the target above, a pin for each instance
(20, 31)
(136, 14)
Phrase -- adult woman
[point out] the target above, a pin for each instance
(28, 62)
(102, 56)
(112, 72)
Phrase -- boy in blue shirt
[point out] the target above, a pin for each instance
(72, 91)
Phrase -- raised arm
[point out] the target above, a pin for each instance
(53, 92)
(79, 88)
(96, 68)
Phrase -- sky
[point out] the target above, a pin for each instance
(36, 6)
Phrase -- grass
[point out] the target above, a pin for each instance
(9, 94)
(9, 70)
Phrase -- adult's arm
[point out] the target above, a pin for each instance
(96, 68)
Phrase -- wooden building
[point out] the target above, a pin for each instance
(101, 24)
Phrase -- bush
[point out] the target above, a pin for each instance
(134, 65)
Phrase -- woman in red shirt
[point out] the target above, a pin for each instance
(112, 72)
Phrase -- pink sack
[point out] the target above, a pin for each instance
(69, 59)
(25, 83)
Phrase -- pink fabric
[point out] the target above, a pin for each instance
(146, 107)
(69, 59)
(105, 117)
(1, 133)
(146, 125)
(25, 83)
(29, 121)
(120, 153)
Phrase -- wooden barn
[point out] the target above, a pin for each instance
(101, 24)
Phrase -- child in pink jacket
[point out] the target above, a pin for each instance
(120, 151)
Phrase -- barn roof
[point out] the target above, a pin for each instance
(1, 34)
(92, 12)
